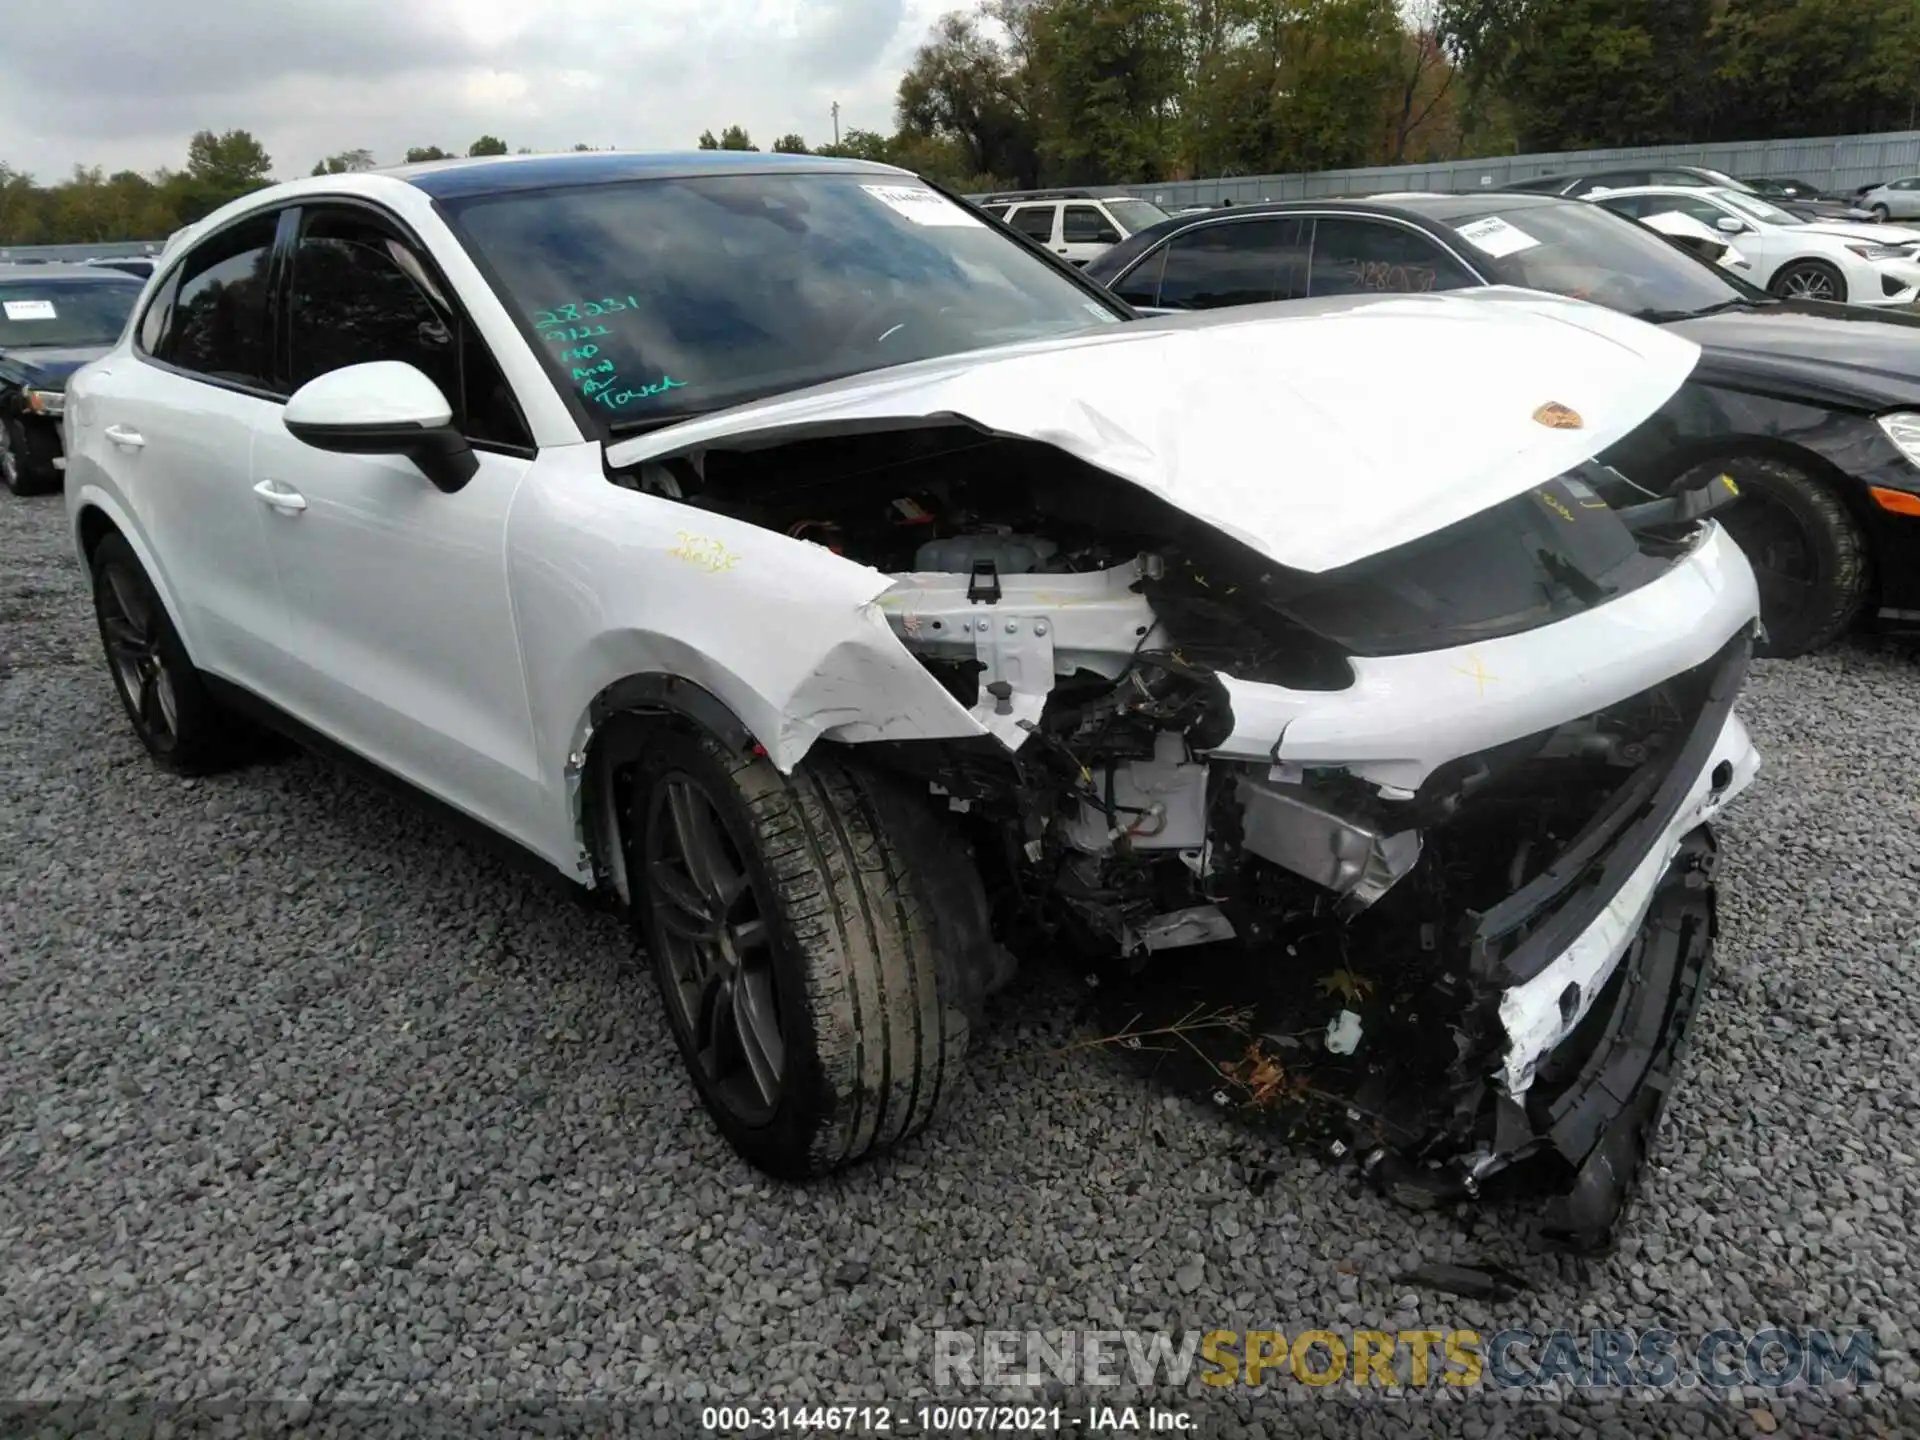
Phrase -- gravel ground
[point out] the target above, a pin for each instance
(305, 1097)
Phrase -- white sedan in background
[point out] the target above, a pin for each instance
(1794, 258)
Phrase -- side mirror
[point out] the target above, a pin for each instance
(385, 407)
(1728, 225)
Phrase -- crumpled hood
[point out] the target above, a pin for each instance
(1317, 432)
(48, 366)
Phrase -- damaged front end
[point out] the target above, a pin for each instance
(1469, 776)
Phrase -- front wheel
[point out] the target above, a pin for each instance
(1882, 214)
(1809, 280)
(21, 471)
(1808, 554)
(795, 934)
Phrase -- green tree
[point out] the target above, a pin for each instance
(232, 160)
(1817, 67)
(1305, 85)
(790, 144)
(857, 144)
(1576, 74)
(1111, 78)
(965, 86)
(346, 162)
(735, 138)
(488, 145)
(419, 154)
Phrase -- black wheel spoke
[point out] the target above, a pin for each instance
(761, 1044)
(132, 604)
(714, 948)
(148, 702)
(685, 912)
(124, 639)
(720, 1031)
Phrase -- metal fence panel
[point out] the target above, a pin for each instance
(1841, 163)
(58, 254)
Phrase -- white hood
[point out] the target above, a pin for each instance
(1318, 432)
(1867, 231)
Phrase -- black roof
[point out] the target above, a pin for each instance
(499, 174)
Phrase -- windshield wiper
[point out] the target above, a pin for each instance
(653, 422)
(1660, 317)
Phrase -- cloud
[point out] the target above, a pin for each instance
(124, 83)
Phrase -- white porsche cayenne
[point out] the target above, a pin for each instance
(845, 588)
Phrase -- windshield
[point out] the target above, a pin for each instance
(1135, 215)
(1589, 253)
(65, 313)
(1759, 209)
(658, 299)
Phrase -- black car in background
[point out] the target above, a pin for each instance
(53, 320)
(1812, 409)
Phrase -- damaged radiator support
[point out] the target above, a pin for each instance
(1284, 825)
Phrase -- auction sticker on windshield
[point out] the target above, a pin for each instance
(29, 309)
(921, 206)
(1496, 237)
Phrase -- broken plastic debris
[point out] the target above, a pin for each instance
(1343, 1033)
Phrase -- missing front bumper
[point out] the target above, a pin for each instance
(1592, 975)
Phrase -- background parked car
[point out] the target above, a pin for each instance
(1075, 224)
(1893, 199)
(1579, 185)
(1814, 409)
(53, 319)
(1805, 259)
(1806, 201)
(140, 265)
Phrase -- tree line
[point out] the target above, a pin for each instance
(93, 207)
(1028, 92)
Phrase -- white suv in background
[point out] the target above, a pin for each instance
(1074, 224)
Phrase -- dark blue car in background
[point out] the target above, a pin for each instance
(53, 320)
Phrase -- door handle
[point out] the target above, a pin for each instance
(288, 500)
(1059, 249)
(125, 438)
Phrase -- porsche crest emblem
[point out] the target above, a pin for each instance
(1556, 416)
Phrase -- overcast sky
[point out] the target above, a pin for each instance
(124, 83)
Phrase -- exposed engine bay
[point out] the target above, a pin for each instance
(1139, 677)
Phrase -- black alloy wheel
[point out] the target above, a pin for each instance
(1810, 280)
(130, 628)
(717, 969)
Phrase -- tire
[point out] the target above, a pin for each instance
(1881, 214)
(822, 1011)
(1809, 280)
(182, 726)
(1808, 553)
(19, 471)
